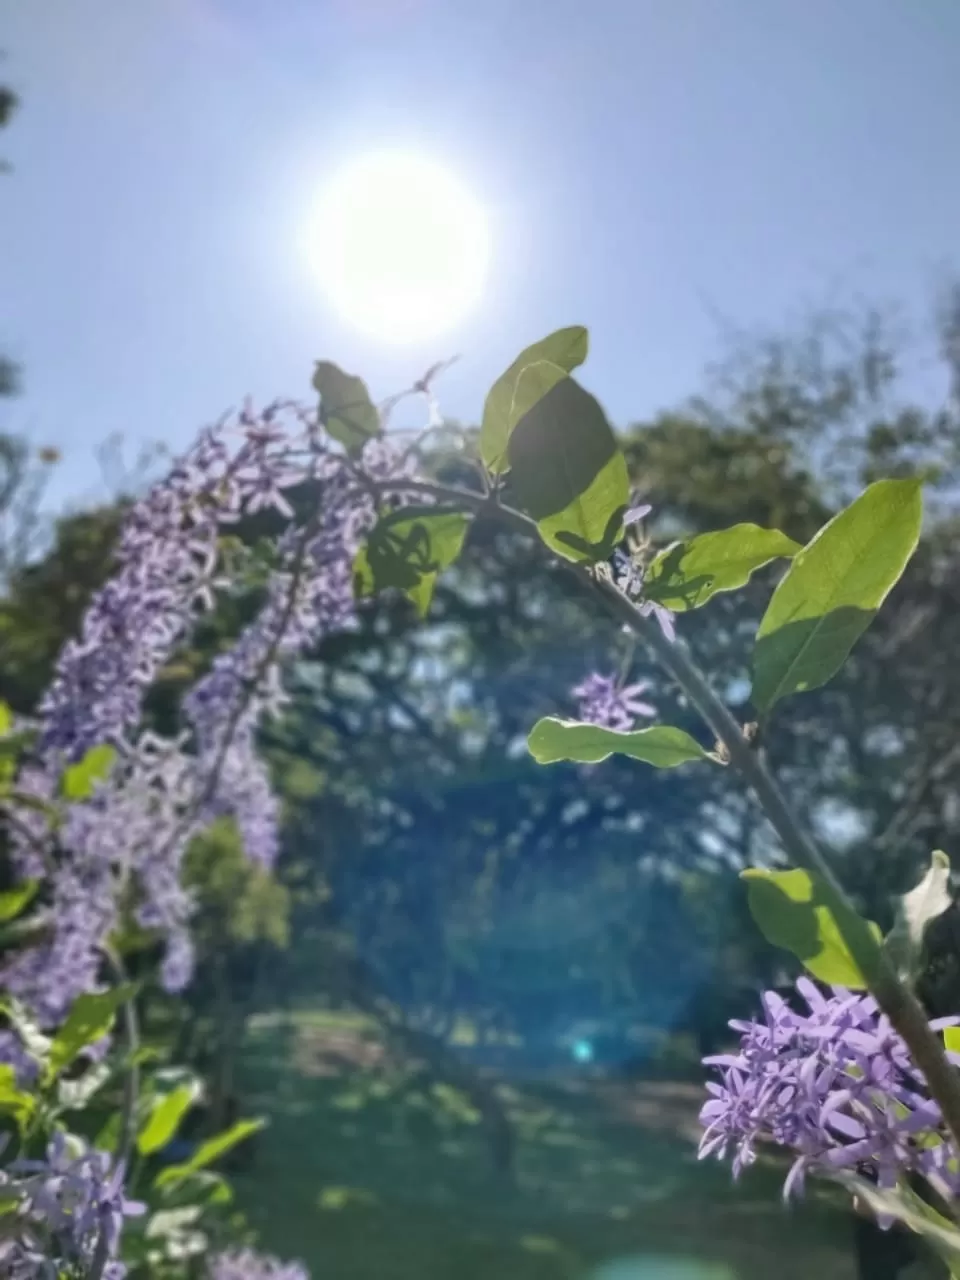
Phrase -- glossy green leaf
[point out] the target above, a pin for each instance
(833, 590)
(687, 574)
(14, 901)
(567, 471)
(90, 1018)
(915, 910)
(14, 1101)
(80, 779)
(346, 409)
(209, 1151)
(166, 1114)
(506, 404)
(408, 549)
(552, 739)
(791, 912)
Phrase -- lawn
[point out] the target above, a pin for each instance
(368, 1178)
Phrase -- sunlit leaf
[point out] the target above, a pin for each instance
(166, 1114)
(552, 739)
(915, 910)
(13, 1100)
(567, 471)
(80, 779)
(790, 908)
(687, 574)
(14, 901)
(833, 590)
(6, 719)
(346, 410)
(209, 1151)
(89, 1020)
(408, 549)
(506, 404)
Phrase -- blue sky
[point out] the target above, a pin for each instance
(646, 164)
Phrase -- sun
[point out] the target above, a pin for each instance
(400, 246)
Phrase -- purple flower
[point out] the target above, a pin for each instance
(835, 1084)
(604, 702)
(244, 1264)
(70, 1208)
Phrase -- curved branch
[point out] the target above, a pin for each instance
(893, 996)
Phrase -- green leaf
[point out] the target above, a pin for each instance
(930, 898)
(408, 549)
(903, 1204)
(505, 405)
(14, 901)
(567, 471)
(211, 1150)
(6, 718)
(14, 1101)
(790, 909)
(951, 1039)
(165, 1116)
(109, 1136)
(346, 409)
(80, 779)
(90, 1018)
(833, 590)
(687, 574)
(552, 739)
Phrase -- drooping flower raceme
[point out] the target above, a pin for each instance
(70, 1210)
(835, 1084)
(606, 702)
(244, 1264)
(130, 837)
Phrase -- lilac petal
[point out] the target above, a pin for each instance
(635, 514)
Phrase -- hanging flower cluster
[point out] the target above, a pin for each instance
(125, 845)
(833, 1083)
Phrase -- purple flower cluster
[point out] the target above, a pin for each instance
(833, 1083)
(606, 702)
(70, 1210)
(244, 1264)
(131, 835)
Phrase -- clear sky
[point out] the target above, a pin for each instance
(643, 162)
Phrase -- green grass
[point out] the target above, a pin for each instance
(361, 1179)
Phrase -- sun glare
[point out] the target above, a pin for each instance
(400, 246)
